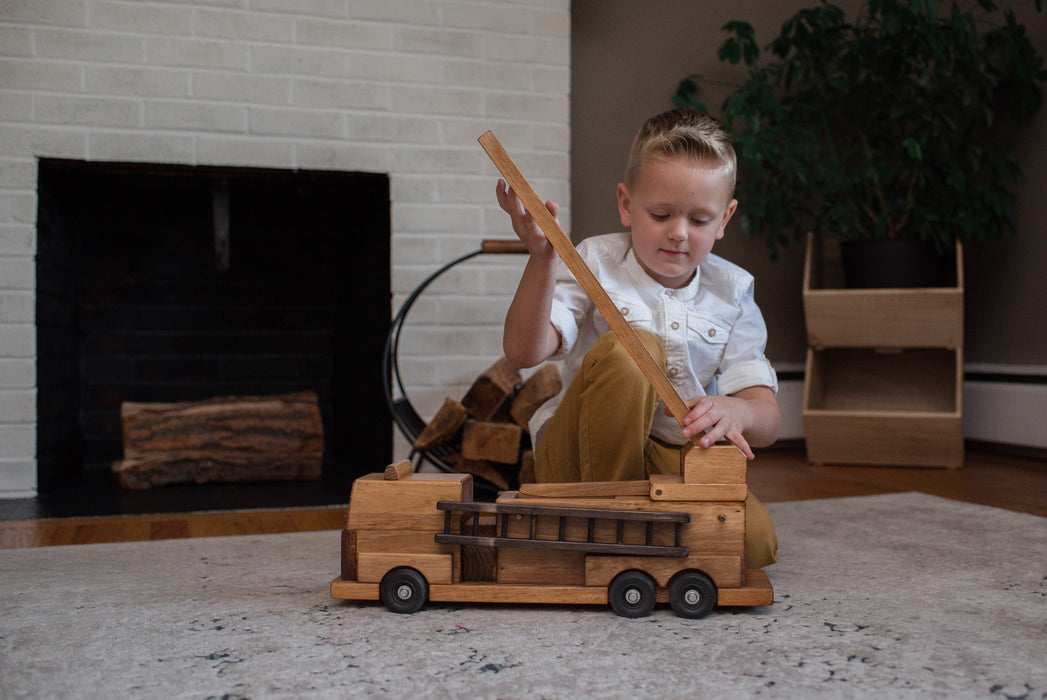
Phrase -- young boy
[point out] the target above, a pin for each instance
(693, 310)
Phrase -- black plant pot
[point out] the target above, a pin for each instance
(883, 263)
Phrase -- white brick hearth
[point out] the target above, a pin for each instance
(400, 87)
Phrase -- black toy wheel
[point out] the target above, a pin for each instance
(692, 594)
(404, 590)
(632, 594)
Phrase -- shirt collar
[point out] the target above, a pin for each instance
(644, 281)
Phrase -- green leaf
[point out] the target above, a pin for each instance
(912, 147)
(730, 51)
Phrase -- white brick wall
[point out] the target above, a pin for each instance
(400, 87)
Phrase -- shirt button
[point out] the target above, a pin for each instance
(712, 332)
(675, 326)
(673, 371)
(625, 311)
(670, 293)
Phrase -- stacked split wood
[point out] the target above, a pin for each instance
(488, 426)
(235, 438)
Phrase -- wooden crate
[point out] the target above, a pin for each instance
(897, 318)
(899, 408)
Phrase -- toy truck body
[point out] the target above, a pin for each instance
(676, 539)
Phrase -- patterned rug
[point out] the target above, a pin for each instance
(900, 596)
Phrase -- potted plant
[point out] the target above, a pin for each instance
(891, 127)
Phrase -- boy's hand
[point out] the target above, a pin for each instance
(529, 337)
(752, 412)
(524, 224)
(718, 417)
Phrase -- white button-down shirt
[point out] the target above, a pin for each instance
(713, 333)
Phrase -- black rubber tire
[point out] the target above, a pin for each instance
(632, 594)
(404, 590)
(692, 594)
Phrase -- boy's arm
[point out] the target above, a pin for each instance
(529, 337)
(747, 417)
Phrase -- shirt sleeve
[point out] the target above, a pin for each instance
(744, 364)
(564, 323)
(569, 308)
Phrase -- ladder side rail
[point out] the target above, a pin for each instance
(566, 511)
(588, 547)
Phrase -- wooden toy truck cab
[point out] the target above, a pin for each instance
(678, 539)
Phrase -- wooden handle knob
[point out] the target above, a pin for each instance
(503, 247)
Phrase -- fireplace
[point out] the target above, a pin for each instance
(178, 283)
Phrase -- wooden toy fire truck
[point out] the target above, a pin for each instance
(413, 537)
(677, 538)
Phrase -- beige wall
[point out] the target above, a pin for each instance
(628, 56)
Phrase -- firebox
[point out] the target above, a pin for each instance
(160, 283)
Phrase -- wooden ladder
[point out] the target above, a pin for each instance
(562, 513)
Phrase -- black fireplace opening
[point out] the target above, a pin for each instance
(163, 283)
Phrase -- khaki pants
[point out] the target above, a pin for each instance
(601, 432)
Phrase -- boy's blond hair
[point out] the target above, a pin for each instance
(682, 132)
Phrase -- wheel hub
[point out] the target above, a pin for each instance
(632, 596)
(692, 597)
(404, 592)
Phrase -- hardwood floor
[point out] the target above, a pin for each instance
(134, 528)
(987, 477)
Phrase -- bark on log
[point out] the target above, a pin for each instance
(288, 424)
(185, 467)
(224, 439)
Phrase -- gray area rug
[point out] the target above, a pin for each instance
(886, 596)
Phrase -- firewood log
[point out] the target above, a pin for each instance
(288, 424)
(493, 442)
(187, 467)
(443, 427)
(539, 388)
(491, 389)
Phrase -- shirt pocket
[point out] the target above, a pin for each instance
(708, 343)
(634, 311)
